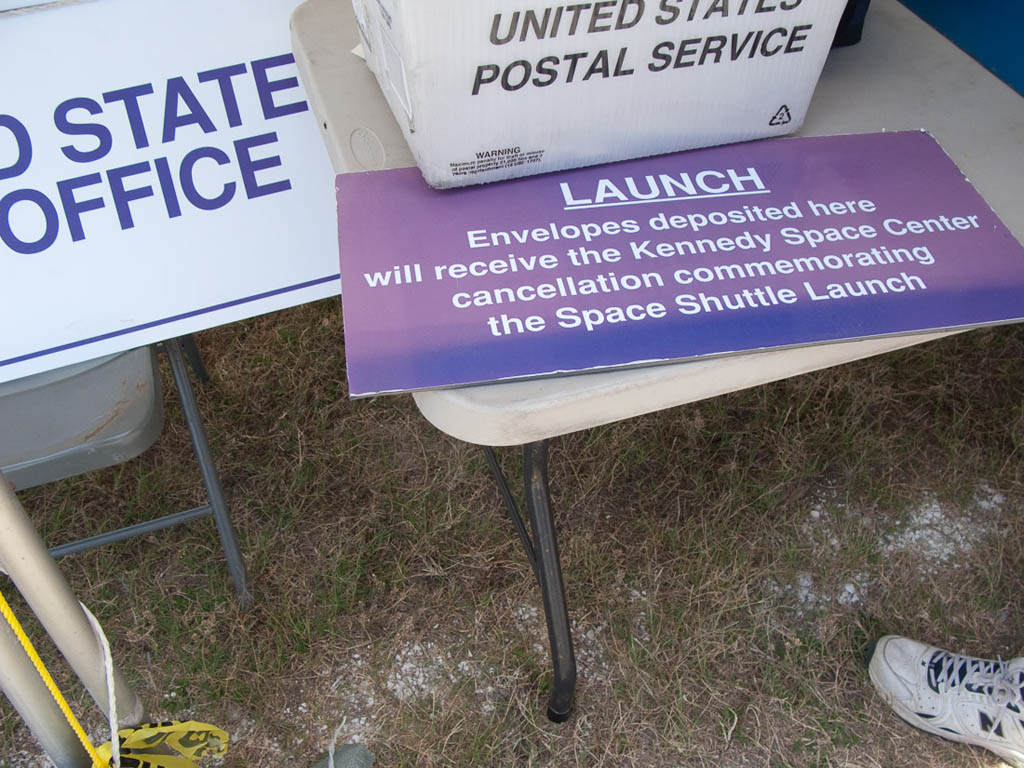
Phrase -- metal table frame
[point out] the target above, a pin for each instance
(178, 350)
(542, 552)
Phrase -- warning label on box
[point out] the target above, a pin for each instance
(494, 159)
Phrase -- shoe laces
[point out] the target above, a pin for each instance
(948, 671)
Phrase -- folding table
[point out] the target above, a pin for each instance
(902, 75)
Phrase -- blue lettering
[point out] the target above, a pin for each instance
(100, 132)
(266, 87)
(250, 166)
(123, 197)
(73, 208)
(130, 98)
(178, 90)
(163, 173)
(188, 184)
(222, 76)
(11, 240)
(21, 138)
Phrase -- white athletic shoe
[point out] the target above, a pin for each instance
(973, 701)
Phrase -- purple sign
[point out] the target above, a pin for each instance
(751, 246)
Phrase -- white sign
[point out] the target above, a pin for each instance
(8, 5)
(160, 173)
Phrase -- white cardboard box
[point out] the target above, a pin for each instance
(491, 89)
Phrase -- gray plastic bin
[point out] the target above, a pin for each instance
(79, 418)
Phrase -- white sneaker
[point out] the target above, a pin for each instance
(973, 701)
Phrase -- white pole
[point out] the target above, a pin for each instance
(25, 558)
(23, 687)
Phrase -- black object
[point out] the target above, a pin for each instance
(851, 24)
(542, 553)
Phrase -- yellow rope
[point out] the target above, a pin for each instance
(51, 686)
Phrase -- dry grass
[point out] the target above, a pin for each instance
(727, 565)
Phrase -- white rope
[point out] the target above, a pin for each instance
(108, 669)
(334, 742)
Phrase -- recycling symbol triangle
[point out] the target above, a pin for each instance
(781, 117)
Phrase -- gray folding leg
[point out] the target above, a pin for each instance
(542, 552)
(195, 360)
(219, 509)
(217, 506)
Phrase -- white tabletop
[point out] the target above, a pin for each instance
(902, 75)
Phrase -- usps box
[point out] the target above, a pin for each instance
(491, 89)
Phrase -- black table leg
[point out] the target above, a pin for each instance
(544, 557)
(195, 360)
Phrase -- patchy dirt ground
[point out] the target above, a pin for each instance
(356, 695)
(727, 565)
